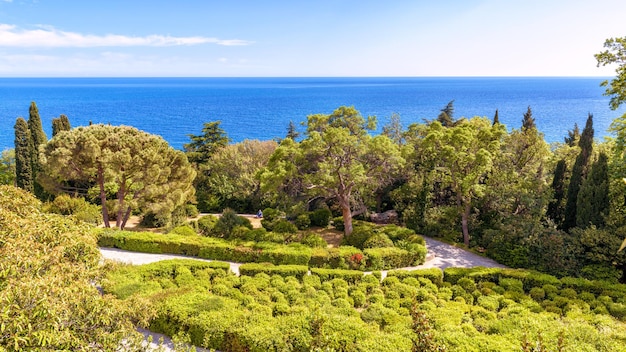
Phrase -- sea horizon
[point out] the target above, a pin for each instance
(261, 107)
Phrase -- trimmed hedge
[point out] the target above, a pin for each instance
(435, 275)
(251, 269)
(349, 276)
(344, 257)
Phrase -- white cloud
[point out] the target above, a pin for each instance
(49, 37)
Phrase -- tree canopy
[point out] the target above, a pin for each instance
(130, 170)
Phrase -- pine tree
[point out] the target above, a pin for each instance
(496, 118)
(292, 131)
(593, 198)
(555, 208)
(529, 121)
(446, 117)
(23, 165)
(578, 174)
(201, 147)
(62, 123)
(38, 137)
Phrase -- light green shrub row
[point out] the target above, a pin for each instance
(252, 269)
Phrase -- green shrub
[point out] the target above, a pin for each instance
(284, 226)
(320, 217)
(252, 269)
(435, 275)
(191, 210)
(183, 230)
(313, 240)
(377, 240)
(206, 224)
(391, 257)
(270, 214)
(302, 222)
(538, 294)
(357, 238)
(338, 223)
(77, 207)
(227, 222)
(350, 276)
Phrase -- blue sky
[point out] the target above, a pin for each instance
(74, 38)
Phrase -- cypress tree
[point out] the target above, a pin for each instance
(593, 198)
(496, 118)
(555, 208)
(23, 165)
(578, 174)
(61, 123)
(528, 122)
(38, 137)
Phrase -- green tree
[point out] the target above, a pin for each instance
(48, 285)
(528, 122)
(446, 116)
(555, 208)
(615, 53)
(292, 131)
(573, 136)
(593, 197)
(463, 156)
(229, 180)
(141, 171)
(61, 123)
(23, 164)
(579, 171)
(38, 137)
(337, 160)
(496, 118)
(7, 167)
(201, 147)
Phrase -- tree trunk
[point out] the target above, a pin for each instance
(464, 219)
(103, 197)
(347, 220)
(120, 205)
(126, 216)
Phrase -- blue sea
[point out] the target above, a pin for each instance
(261, 108)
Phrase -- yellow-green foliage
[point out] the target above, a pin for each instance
(344, 310)
(49, 265)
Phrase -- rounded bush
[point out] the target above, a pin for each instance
(313, 240)
(537, 293)
(378, 240)
(284, 226)
(183, 230)
(206, 224)
(303, 222)
(320, 217)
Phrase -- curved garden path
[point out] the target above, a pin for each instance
(440, 255)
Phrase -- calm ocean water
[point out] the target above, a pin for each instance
(261, 108)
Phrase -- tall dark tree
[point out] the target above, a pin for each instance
(496, 118)
(555, 207)
(528, 122)
(23, 165)
(38, 137)
(446, 116)
(61, 123)
(579, 171)
(292, 131)
(572, 136)
(201, 147)
(593, 198)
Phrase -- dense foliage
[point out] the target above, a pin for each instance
(48, 300)
(286, 309)
(129, 170)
